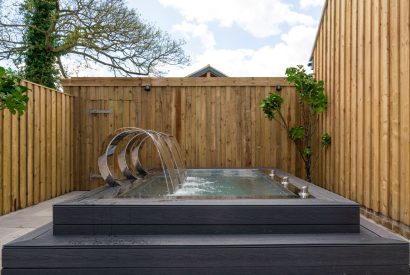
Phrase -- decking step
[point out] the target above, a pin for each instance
(361, 253)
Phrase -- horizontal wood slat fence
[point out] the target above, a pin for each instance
(36, 156)
(362, 52)
(217, 121)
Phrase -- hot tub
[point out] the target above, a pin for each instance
(212, 201)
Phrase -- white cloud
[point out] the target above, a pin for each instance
(304, 4)
(201, 31)
(293, 49)
(260, 18)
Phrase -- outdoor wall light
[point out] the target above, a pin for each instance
(311, 64)
(147, 88)
(278, 88)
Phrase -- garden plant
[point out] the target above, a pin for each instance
(312, 102)
(13, 95)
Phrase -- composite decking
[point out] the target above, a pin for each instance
(373, 251)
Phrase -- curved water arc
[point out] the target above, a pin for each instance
(166, 146)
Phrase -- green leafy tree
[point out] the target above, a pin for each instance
(312, 102)
(13, 96)
(43, 36)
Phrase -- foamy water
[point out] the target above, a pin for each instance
(215, 183)
(194, 186)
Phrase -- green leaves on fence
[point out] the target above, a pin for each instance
(271, 104)
(297, 133)
(13, 96)
(312, 102)
(326, 140)
(307, 152)
(310, 90)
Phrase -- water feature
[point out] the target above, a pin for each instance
(124, 145)
(124, 148)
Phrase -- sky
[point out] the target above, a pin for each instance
(238, 37)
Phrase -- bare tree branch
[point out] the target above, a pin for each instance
(104, 32)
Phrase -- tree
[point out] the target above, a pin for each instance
(43, 34)
(312, 102)
(39, 58)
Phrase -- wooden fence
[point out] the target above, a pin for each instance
(36, 157)
(362, 53)
(54, 147)
(217, 121)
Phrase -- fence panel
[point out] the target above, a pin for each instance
(217, 121)
(34, 150)
(364, 61)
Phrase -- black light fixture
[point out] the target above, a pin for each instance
(311, 64)
(147, 88)
(278, 88)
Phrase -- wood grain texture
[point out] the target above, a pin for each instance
(363, 58)
(173, 81)
(32, 162)
(217, 122)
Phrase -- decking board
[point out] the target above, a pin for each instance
(221, 254)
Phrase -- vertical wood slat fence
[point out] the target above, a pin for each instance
(53, 148)
(36, 156)
(362, 53)
(217, 121)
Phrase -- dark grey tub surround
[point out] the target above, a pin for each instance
(208, 218)
(98, 213)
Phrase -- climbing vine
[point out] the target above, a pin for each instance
(40, 59)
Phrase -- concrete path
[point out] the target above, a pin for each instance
(18, 223)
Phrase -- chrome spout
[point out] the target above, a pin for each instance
(304, 192)
(285, 182)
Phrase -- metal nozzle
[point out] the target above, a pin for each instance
(285, 181)
(304, 192)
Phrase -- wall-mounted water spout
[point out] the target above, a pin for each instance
(125, 144)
